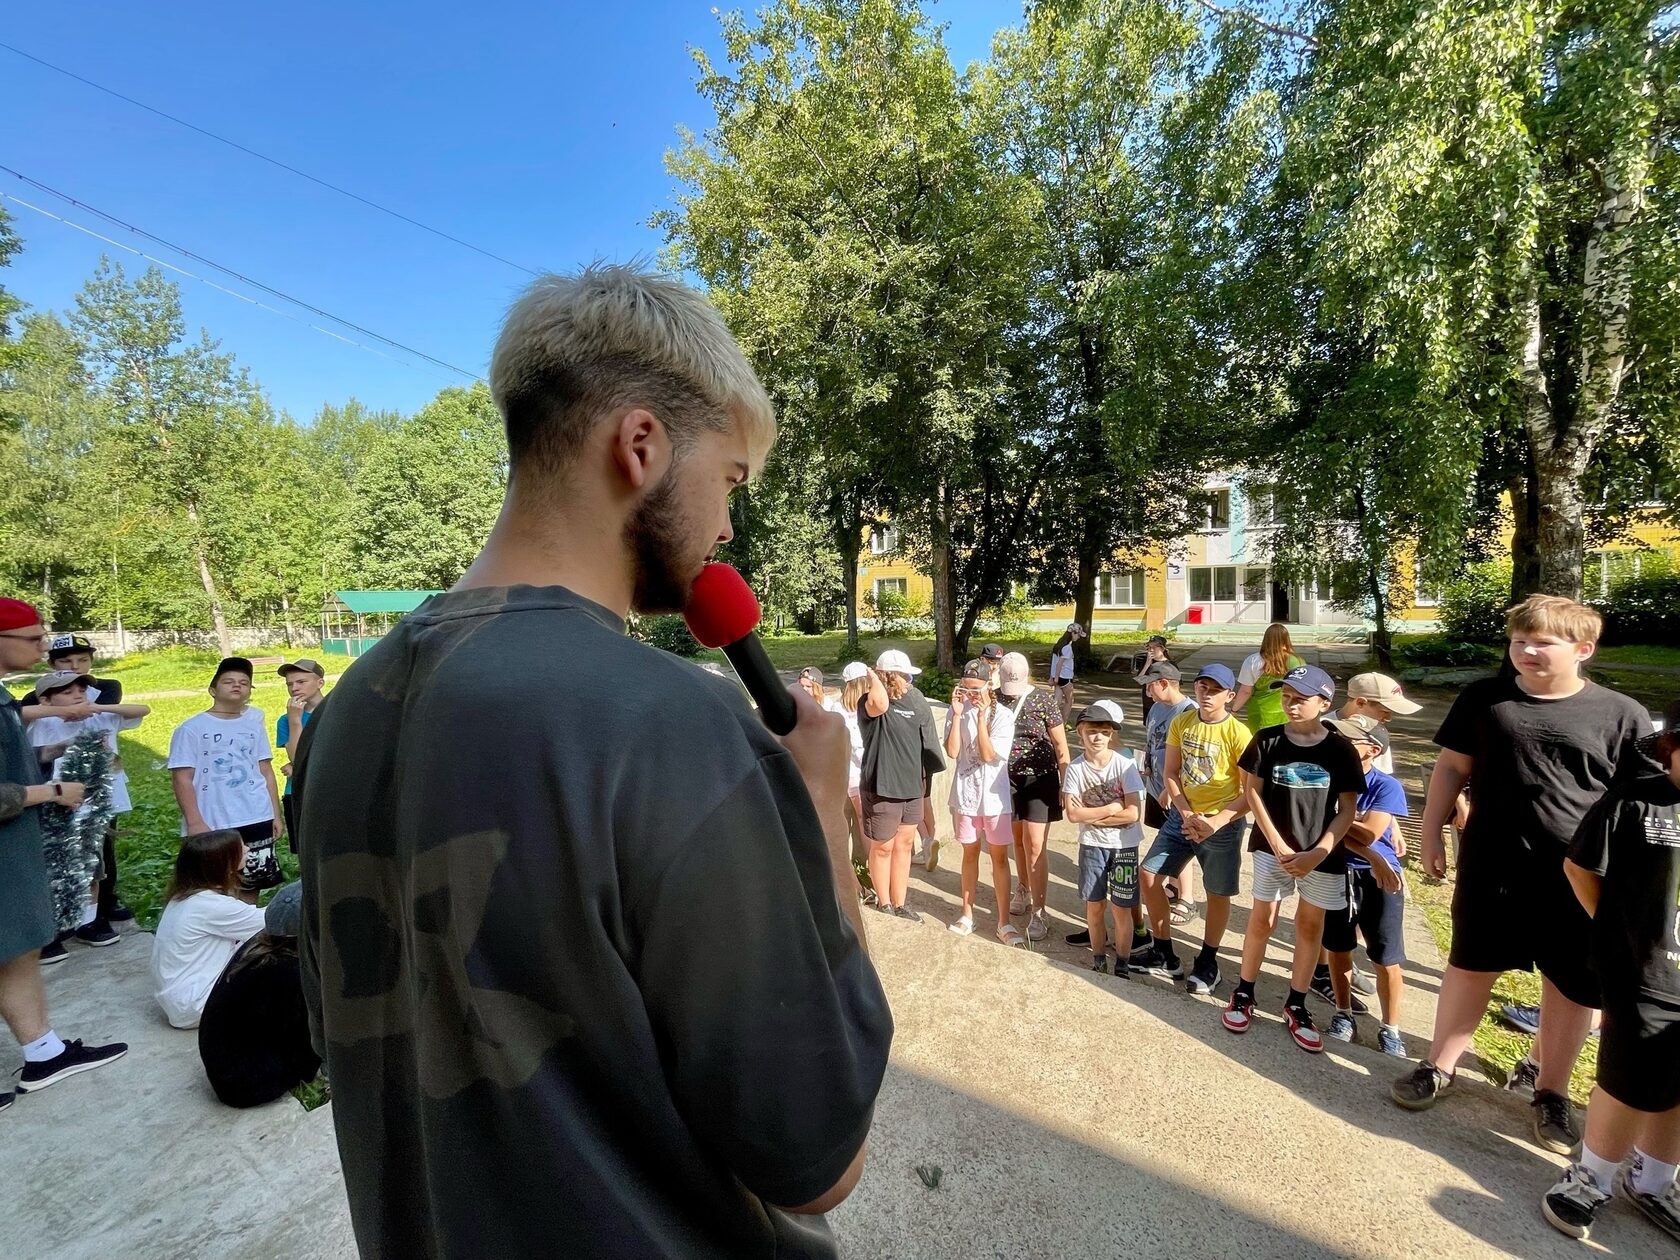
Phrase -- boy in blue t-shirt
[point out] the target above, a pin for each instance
(304, 682)
(1376, 895)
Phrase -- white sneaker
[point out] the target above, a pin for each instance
(1018, 900)
(933, 855)
(1037, 927)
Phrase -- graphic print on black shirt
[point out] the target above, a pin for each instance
(1301, 787)
(1632, 838)
(1539, 765)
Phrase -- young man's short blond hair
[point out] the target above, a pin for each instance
(1555, 615)
(575, 348)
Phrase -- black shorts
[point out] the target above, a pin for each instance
(1039, 799)
(1519, 913)
(1639, 1052)
(1153, 815)
(262, 868)
(882, 816)
(1377, 916)
(288, 806)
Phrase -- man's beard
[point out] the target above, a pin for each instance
(657, 532)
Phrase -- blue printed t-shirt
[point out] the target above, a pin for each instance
(1384, 794)
(283, 732)
(1155, 741)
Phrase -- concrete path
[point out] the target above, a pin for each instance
(1068, 1114)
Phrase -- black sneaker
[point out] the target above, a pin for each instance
(74, 1058)
(1144, 955)
(1122, 967)
(98, 934)
(54, 953)
(905, 912)
(1661, 1209)
(1081, 937)
(1555, 1126)
(1167, 967)
(118, 913)
(7, 1099)
(1099, 963)
(1420, 1088)
(1324, 990)
(1203, 977)
(1574, 1201)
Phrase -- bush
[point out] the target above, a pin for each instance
(1644, 609)
(668, 632)
(1442, 649)
(895, 615)
(1473, 604)
(1012, 621)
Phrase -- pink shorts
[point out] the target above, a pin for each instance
(997, 831)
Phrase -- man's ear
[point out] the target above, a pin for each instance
(640, 447)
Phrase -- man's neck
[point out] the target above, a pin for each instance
(1305, 732)
(1216, 719)
(1101, 759)
(586, 557)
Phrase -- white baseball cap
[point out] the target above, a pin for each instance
(853, 671)
(892, 661)
(1103, 711)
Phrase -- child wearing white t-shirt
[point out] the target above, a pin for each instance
(69, 715)
(1102, 791)
(222, 768)
(978, 735)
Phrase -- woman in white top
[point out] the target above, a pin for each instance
(978, 733)
(203, 924)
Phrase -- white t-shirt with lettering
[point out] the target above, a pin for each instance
(225, 756)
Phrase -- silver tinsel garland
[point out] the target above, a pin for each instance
(73, 837)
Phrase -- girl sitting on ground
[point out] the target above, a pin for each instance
(203, 924)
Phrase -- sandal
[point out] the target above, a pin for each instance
(1010, 935)
(962, 927)
(1182, 911)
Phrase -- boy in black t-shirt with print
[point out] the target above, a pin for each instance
(1625, 867)
(1302, 782)
(1538, 749)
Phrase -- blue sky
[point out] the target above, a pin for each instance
(536, 131)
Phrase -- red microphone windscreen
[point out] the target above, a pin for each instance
(721, 607)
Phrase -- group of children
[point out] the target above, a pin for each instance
(1569, 864)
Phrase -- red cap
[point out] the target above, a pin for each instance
(15, 614)
(721, 607)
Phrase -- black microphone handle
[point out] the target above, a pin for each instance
(758, 675)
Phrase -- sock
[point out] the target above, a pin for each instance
(1207, 953)
(1392, 1028)
(1654, 1175)
(1603, 1170)
(1244, 987)
(1348, 1011)
(1297, 997)
(1321, 972)
(46, 1046)
(1165, 945)
(90, 912)
(1140, 935)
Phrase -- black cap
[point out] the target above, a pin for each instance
(1157, 671)
(977, 669)
(991, 652)
(68, 645)
(233, 665)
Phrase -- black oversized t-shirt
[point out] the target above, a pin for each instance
(1632, 838)
(585, 987)
(893, 746)
(1301, 787)
(1539, 765)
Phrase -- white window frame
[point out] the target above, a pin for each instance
(1130, 580)
(883, 540)
(902, 585)
(1213, 570)
(1423, 597)
(1211, 496)
(1260, 506)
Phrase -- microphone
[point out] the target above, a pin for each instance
(722, 613)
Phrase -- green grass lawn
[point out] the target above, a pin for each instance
(1639, 654)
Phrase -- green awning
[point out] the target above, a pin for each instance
(362, 603)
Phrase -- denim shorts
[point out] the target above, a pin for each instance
(1220, 854)
(1110, 873)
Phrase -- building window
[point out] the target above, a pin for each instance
(1216, 584)
(883, 539)
(1261, 505)
(1120, 590)
(1216, 509)
(1256, 585)
(1424, 594)
(889, 587)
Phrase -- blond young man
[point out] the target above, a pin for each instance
(1538, 750)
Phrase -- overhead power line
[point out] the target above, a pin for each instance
(263, 157)
(227, 271)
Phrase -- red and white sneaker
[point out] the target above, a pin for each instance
(1300, 1025)
(1239, 1012)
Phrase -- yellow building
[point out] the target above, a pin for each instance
(1217, 581)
